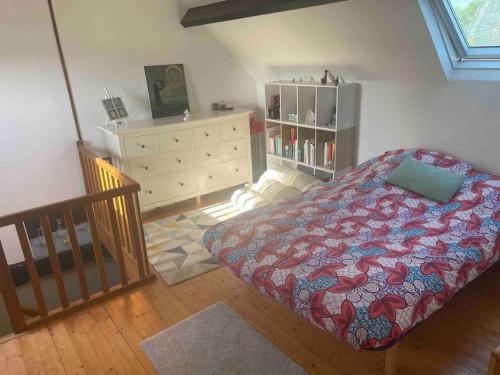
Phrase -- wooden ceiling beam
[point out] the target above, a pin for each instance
(235, 9)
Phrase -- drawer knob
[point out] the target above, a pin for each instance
(143, 146)
(234, 128)
(206, 134)
(181, 183)
(149, 191)
(176, 140)
(235, 148)
(209, 154)
(210, 177)
(145, 167)
(237, 169)
(178, 160)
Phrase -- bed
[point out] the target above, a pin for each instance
(363, 259)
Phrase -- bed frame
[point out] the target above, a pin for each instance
(494, 368)
(391, 356)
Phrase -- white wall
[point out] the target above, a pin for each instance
(38, 159)
(384, 45)
(105, 43)
(109, 43)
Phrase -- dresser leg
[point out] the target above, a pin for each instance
(198, 201)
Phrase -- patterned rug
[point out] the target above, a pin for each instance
(175, 247)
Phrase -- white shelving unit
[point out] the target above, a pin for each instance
(335, 110)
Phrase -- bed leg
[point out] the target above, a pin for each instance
(391, 357)
(198, 201)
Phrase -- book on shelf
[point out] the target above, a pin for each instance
(329, 153)
(275, 145)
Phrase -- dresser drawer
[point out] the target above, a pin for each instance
(178, 140)
(150, 192)
(206, 135)
(165, 162)
(179, 183)
(167, 186)
(220, 152)
(138, 146)
(231, 130)
(223, 174)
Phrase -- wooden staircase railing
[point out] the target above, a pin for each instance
(112, 212)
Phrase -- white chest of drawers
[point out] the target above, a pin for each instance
(174, 160)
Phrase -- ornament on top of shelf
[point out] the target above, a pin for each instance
(310, 117)
(333, 79)
(324, 80)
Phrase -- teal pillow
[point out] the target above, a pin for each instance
(427, 180)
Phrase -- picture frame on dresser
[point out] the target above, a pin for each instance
(174, 160)
(167, 90)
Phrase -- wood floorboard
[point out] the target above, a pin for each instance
(12, 358)
(105, 339)
(66, 350)
(83, 346)
(31, 355)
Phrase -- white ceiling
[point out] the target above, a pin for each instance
(195, 3)
(361, 39)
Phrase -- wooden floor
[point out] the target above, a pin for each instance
(105, 339)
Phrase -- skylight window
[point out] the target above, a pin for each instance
(479, 21)
(466, 34)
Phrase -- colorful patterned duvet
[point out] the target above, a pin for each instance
(363, 259)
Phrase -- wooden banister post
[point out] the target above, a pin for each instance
(9, 294)
(116, 239)
(96, 244)
(77, 256)
(31, 267)
(135, 233)
(141, 231)
(54, 261)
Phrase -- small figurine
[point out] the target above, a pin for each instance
(187, 115)
(324, 80)
(332, 77)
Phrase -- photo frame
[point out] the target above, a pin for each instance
(115, 108)
(167, 90)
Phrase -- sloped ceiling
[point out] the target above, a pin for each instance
(385, 45)
(360, 39)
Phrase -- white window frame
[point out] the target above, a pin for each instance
(459, 60)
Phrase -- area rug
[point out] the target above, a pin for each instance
(216, 341)
(174, 244)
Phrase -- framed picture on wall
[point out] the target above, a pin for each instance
(167, 90)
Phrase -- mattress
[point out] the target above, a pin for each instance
(363, 259)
